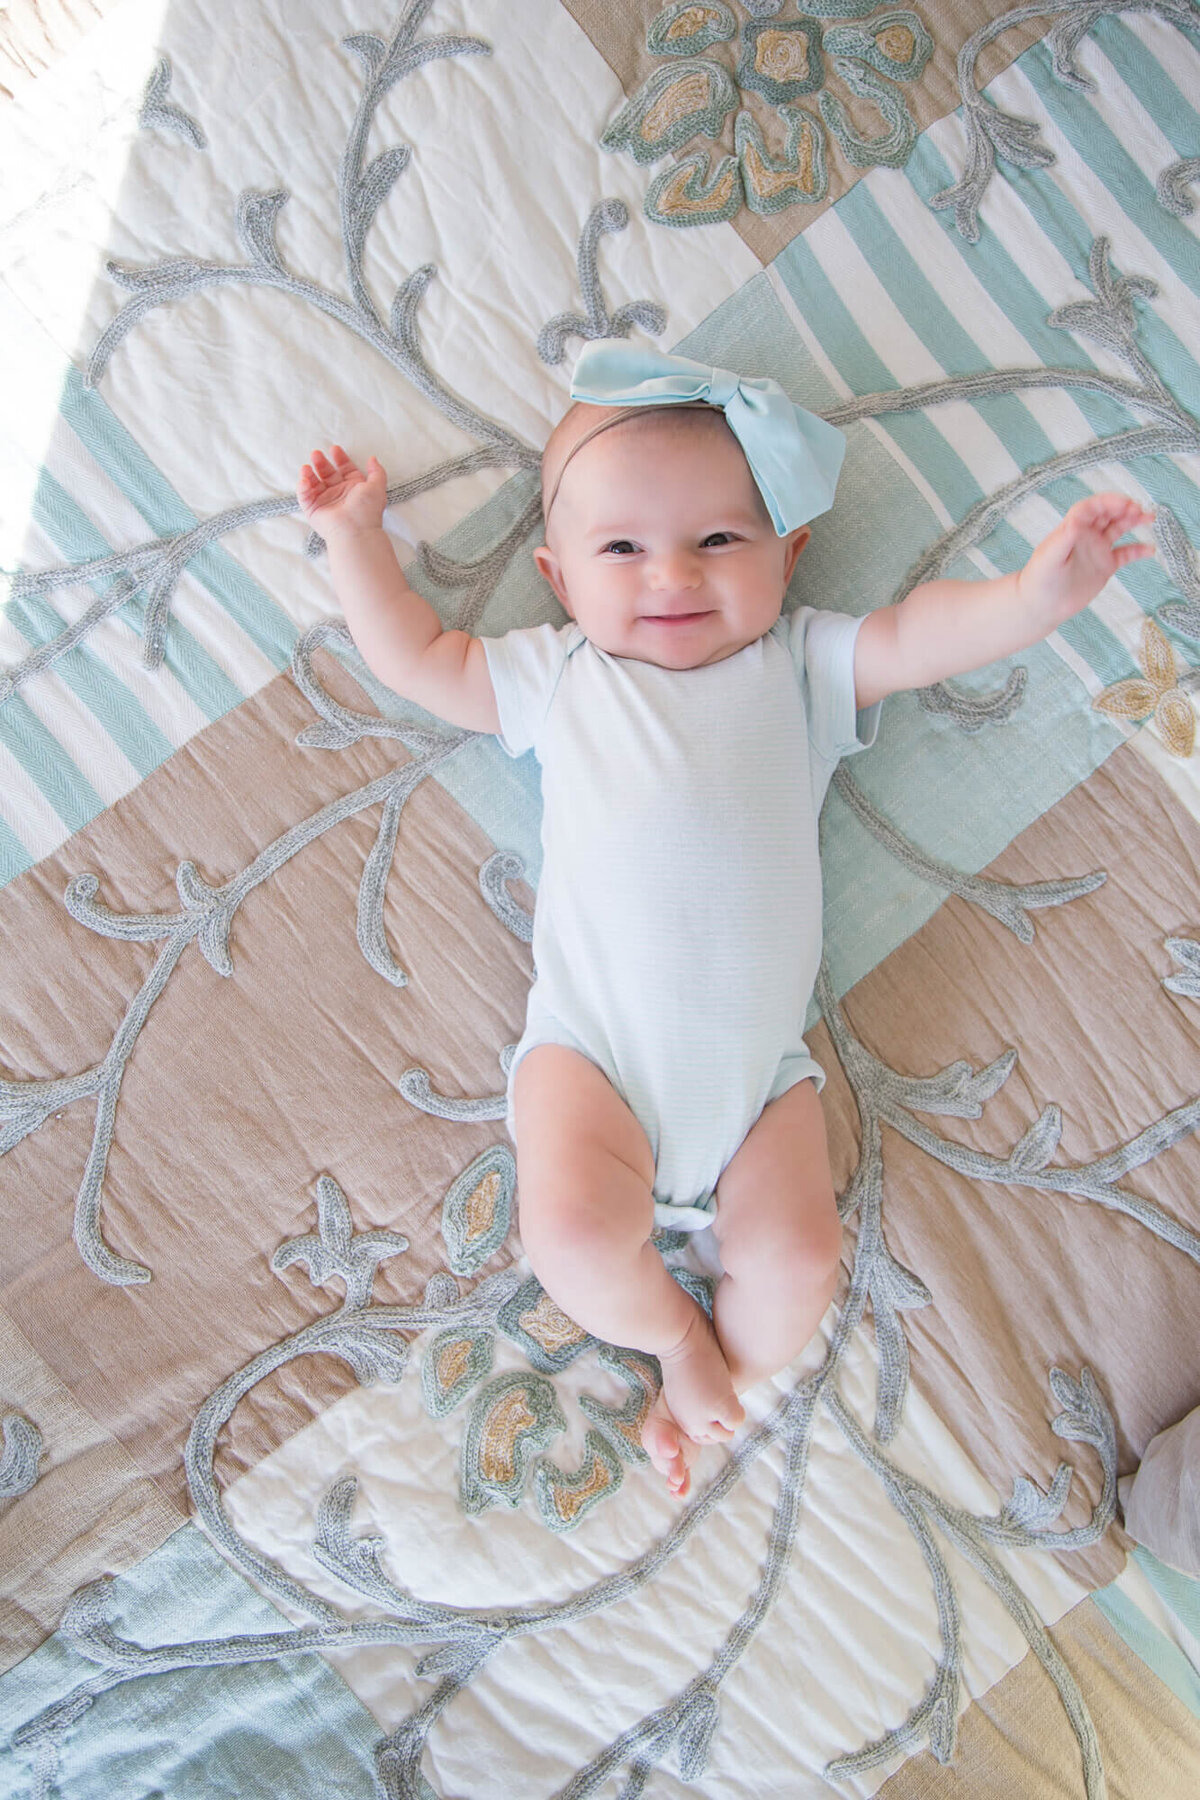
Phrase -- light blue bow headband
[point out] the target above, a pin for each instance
(794, 456)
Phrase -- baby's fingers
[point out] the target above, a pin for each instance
(1112, 513)
(1127, 553)
(309, 485)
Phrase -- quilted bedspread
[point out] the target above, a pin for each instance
(306, 1486)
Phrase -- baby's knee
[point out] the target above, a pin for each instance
(578, 1213)
(800, 1254)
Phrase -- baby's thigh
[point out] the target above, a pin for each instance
(775, 1200)
(582, 1156)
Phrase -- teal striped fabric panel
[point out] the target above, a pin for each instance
(87, 730)
(1180, 1595)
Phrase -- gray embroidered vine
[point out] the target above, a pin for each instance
(206, 919)
(991, 133)
(20, 1456)
(607, 215)
(415, 1084)
(157, 112)
(1006, 901)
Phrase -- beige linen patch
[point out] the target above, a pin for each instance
(1024, 1280)
(241, 1092)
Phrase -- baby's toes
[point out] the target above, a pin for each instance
(712, 1432)
(661, 1442)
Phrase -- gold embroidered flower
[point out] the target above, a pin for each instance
(1159, 693)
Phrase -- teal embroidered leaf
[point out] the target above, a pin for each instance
(158, 111)
(478, 1208)
(687, 28)
(1063, 39)
(512, 1420)
(1172, 185)
(452, 1365)
(19, 1460)
(369, 49)
(905, 1290)
(1039, 1143)
(896, 44)
(565, 1500)
(943, 1728)
(1186, 952)
(539, 1326)
(441, 1291)
(408, 298)
(255, 217)
(678, 101)
(1180, 563)
(459, 1659)
(800, 175)
(337, 1252)
(892, 147)
(1085, 1419)
(1031, 1507)
(377, 180)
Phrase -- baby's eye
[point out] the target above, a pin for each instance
(620, 547)
(717, 537)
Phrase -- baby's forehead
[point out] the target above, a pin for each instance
(583, 419)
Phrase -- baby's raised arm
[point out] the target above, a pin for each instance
(947, 627)
(398, 634)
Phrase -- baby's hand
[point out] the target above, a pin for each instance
(1071, 566)
(337, 498)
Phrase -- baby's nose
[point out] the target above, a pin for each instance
(675, 569)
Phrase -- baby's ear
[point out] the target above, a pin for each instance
(548, 569)
(796, 542)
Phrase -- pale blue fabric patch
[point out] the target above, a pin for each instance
(1155, 1649)
(1175, 1589)
(281, 1730)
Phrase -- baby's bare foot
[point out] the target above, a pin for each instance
(697, 1404)
(670, 1450)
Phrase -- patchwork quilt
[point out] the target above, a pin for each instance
(306, 1486)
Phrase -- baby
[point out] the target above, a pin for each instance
(687, 733)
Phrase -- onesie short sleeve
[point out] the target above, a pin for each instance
(822, 647)
(525, 666)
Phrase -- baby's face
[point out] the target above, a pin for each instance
(659, 545)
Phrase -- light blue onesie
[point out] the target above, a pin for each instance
(677, 932)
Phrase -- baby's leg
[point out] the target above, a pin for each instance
(780, 1238)
(585, 1175)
